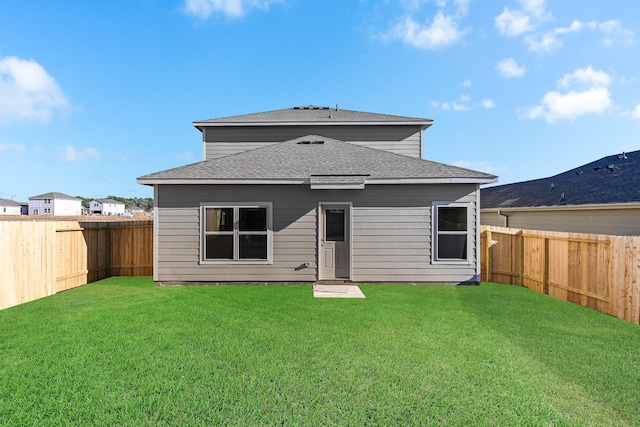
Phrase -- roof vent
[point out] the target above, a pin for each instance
(622, 156)
(612, 167)
(305, 142)
(310, 107)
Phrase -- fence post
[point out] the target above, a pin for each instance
(521, 261)
(545, 283)
(488, 239)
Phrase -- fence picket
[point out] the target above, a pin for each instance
(40, 258)
(596, 271)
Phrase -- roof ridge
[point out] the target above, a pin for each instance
(313, 114)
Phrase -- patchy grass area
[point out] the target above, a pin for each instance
(125, 352)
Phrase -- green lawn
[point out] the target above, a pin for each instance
(123, 351)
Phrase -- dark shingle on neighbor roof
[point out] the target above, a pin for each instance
(612, 179)
(53, 195)
(313, 114)
(295, 159)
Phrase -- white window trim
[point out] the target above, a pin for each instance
(267, 205)
(434, 233)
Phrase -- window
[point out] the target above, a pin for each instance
(451, 231)
(236, 233)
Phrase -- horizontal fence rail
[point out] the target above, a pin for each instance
(41, 258)
(596, 271)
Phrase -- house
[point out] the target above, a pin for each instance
(137, 212)
(106, 207)
(601, 197)
(58, 204)
(9, 207)
(311, 194)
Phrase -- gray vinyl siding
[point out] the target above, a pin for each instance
(492, 218)
(224, 141)
(391, 233)
(619, 222)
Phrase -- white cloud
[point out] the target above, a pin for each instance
(513, 23)
(525, 20)
(636, 113)
(72, 154)
(231, 8)
(573, 104)
(613, 32)
(488, 103)
(27, 91)
(585, 77)
(588, 94)
(509, 68)
(549, 41)
(451, 105)
(464, 104)
(442, 31)
(459, 107)
(8, 147)
(466, 83)
(521, 21)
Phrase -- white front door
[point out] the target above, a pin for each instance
(335, 236)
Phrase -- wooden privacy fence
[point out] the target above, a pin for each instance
(40, 258)
(596, 271)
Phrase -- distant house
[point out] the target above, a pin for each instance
(106, 207)
(58, 204)
(136, 211)
(311, 194)
(601, 197)
(9, 207)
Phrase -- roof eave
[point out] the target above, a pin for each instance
(592, 206)
(424, 124)
(279, 181)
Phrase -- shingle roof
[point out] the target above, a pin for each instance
(53, 195)
(304, 157)
(312, 114)
(612, 179)
(7, 202)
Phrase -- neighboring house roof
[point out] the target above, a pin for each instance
(7, 203)
(108, 201)
(610, 180)
(310, 115)
(54, 195)
(315, 159)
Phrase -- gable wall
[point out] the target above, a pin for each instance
(223, 141)
(618, 222)
(391, 227)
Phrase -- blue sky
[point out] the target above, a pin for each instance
(95, 94)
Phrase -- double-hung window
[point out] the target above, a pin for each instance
(451, 232)
(236, 233)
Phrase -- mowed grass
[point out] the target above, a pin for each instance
(123, 351)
